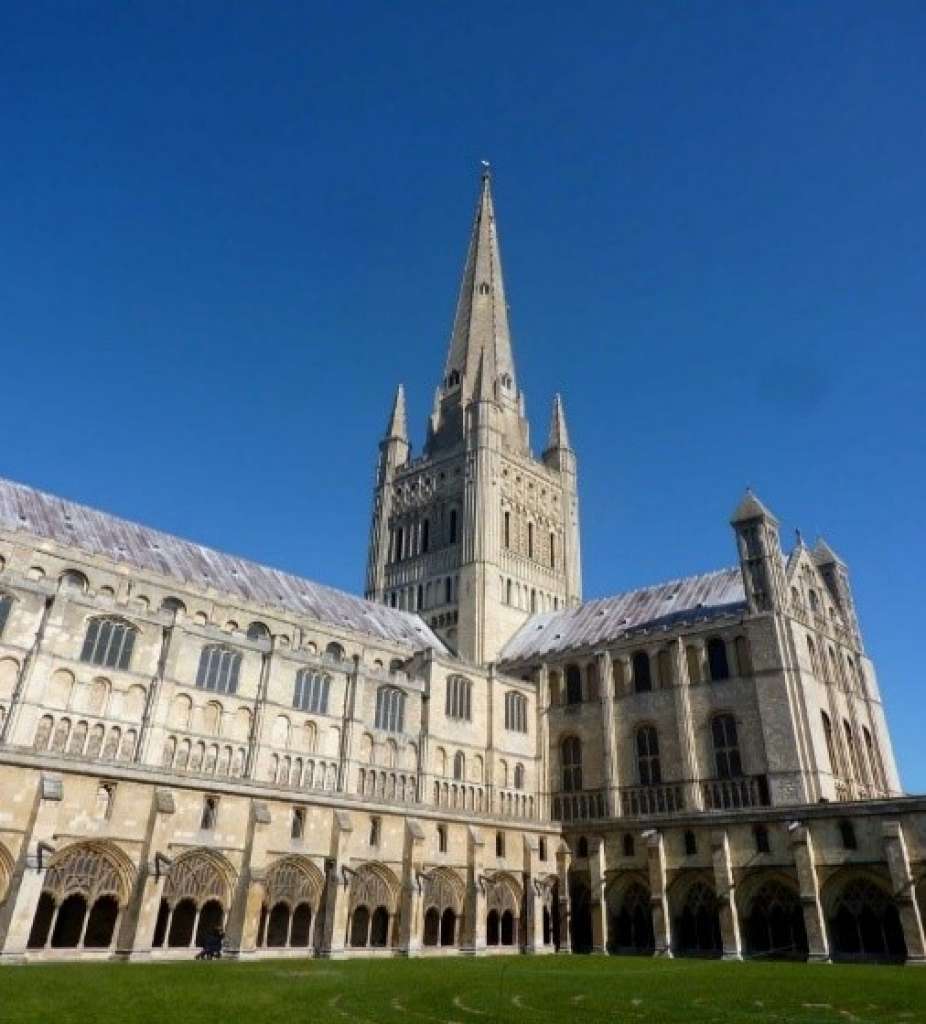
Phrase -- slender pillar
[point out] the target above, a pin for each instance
(904, 886)
(596, 870)
(802, 848)
(726, 895)
(686, 737)
(659, 903)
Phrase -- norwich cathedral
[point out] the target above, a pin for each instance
(471, 759)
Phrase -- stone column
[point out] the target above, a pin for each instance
(726, 895)
(254, 902)
(656, 862)
(609, 731)
(563, 860)
(596, 870)
(29, 876)
(138, 921)
(336, 897)
(477, 895)
(904, 886)
(411, 921)
(544, 780)
(818, 949)
(686, 736)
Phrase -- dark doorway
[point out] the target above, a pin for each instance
(448, 927)
(431, 927)
(102, 923)
(70, 922)
(580, 913)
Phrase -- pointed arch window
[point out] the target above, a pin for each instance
(459, 766)
(6, 603)
(642, 677)
(108, 642)
(830, 747)
(717, 659)
(515, 712)
(571, 756)
(649, 769)
(552, 550)
(530, 540)
(507, 529)
(218, 669)
(311, 692)
(390, 709)
(726, 747)
(458, 703)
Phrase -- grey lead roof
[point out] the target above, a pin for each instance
(25, 509)
(707, 596)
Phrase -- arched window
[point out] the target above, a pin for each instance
(691, 843)
(628, 844)
(173, 606)
(582, 850)
(573, 684)
(508, 587)
(258, 631)
(459, 766)
(552, 550)
(775, 923)
(648, 767)
(853, 752)
(717, 659)
(218, 669)
(519, 776)
(453, 526)
(530, 540)
(6, 603)
(458, 702)
(726, 747)
(847, 835)
(642, 679)
(390, 709)
(73, 581)
(441, 838)
(874, 758)
(814, 602)
(830, 747)
(760, 834)
(108, 642)
(515, 712)
(311, 692)
(425, 536)
(507, 529)
(697, 927)
(334, 652)
(571, 755)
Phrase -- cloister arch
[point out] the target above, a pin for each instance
(771, 916)
(292, 892)
(84, 892)
(504, 897)
(6, 871)
(443, 896)
(196, 899)
(630, 918)
(373, 906)
(861, 917)
(695, 916)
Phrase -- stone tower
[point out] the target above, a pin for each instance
(477, 533)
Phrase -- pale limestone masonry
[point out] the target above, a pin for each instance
(470, 761)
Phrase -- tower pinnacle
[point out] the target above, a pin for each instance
(559, 435)
(398, 420)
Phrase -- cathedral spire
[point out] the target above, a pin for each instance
(480, 325)
(398, 421)
(559, 435)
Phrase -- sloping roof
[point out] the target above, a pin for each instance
(98, 533)
(707, 596)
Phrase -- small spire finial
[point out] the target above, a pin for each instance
(486, 170)
(798, 537)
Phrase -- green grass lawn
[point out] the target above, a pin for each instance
(461, 991)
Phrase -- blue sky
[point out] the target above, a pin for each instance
(230, 229)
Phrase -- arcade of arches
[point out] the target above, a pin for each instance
(84, 904)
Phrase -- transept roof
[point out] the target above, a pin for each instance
(605, 620)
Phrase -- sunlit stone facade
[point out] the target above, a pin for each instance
(471, 760)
